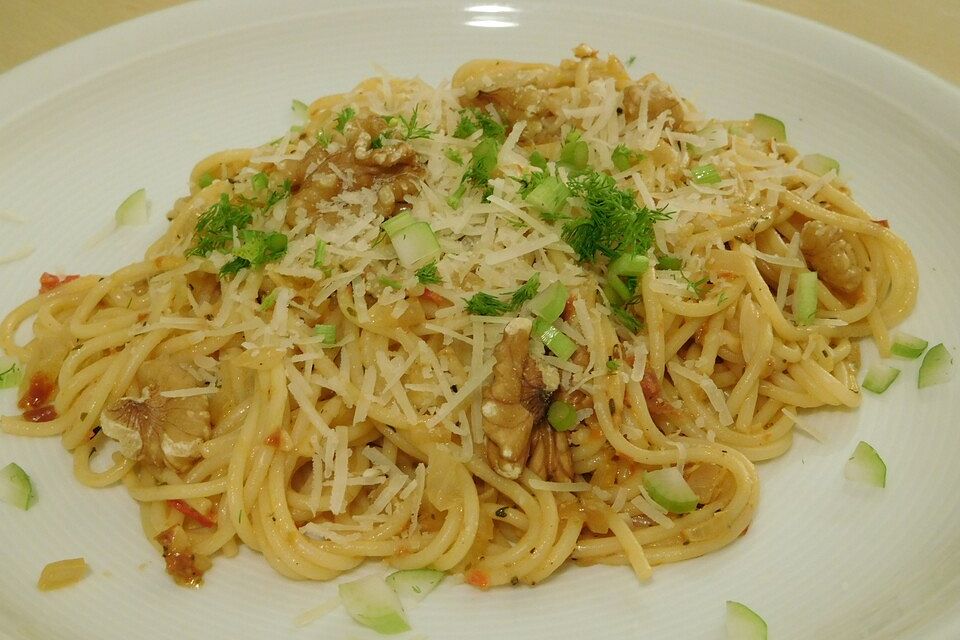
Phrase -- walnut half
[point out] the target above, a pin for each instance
(830, 254)
(550, 456)
(149, 426)
(393, 170)
(516, 399)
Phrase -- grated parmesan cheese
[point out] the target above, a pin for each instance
(714, 395)
(190, 392)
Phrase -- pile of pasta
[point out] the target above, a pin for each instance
(287, 369)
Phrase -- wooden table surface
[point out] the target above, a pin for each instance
(926, 32)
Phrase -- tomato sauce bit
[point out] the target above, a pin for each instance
(478, 578)
(49, 281)
(36, 402)
(190, 512)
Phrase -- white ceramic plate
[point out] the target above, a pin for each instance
(137, 105)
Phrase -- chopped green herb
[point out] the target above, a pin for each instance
(267, 303)
(491, 128)
(257, 248)
(478, 172)
(259, 181)
(466, 126)
(631, 60)
(453, 155)
(276, 196)
(525, 292)
(215, 226)
(613, 365)
(669, 263)
(696, 286)
(574, 154)
(233, 267)
(473, 120)
(205, 181)
(390, 282)
(344, 117)
(623, 158)
(323, 139)
(627, 319)
(377, 143)
(721, 298)
(614, 225)
(410, 126)
(537, 160)
(484, 304)
(296, 129)
(428, 274)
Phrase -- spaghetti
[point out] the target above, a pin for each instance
(293, 369)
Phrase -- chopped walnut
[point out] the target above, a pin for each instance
(392, 171)
(550, 456)
(163, 431)
(535, 93)
(660, 99)
(830, 254)
(516, 400)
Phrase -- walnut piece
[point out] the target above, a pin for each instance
(516, 400)
(830, 254)
(660, 99)
(163, 431)
(393, 171)
(535, 93)
(550, 456)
